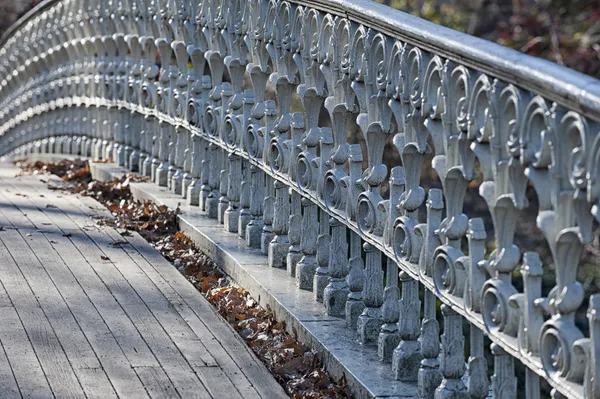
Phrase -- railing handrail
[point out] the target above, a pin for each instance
(556, 82)
(565, 86)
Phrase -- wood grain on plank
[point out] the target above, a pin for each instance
(48, 349)
(8, 385)
(139, 311)
(23, 361)
(241, 365)
(234, 357)
(179, 327)
(114, 362)
(56, 307)
(166, 351)
(156, 382)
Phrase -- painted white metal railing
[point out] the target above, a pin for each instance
(181, 92)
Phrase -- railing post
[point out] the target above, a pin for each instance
(223, 185)
(257, 195)
(452, 363)
(504, 382)
(370, 320)
(321, 278)
(305, 269)
(407, 356)
(430, 376)
(478, 385)
(279, 246)
(390, 310)
(336, 292)
(212, 196)
(197, 155)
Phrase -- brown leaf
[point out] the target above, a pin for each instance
(51, 206)
(119, 243)
(67, 235)
(104, 257)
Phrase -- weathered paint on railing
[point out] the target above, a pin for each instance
(178, 92)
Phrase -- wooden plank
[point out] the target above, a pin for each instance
(144, 320)
(74, 343)
(121, 326)
(139, 312)
(237, 360)
(161, 304)
(241, 362)
(226, 354)
(24, 363)
(8, 385)
(218, 384)
(103, 342)
(156, 382)
(60, 374)
(57, 311)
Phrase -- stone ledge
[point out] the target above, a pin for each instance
(337, 345)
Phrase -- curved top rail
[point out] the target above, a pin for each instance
(41, 6)
(572, 89)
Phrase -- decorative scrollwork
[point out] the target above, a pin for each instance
(201, 97)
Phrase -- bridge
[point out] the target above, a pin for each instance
(355, 166)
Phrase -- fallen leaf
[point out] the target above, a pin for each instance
(119, 243)
(104, 257)
(53, 242)
(21, 195)
(67, 235)
(51, 206)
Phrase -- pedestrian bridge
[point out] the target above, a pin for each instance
(281, 120)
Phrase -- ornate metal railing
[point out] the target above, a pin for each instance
(181, 92)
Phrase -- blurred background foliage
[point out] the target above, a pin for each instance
(563, 31)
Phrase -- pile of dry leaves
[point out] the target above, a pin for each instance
(75, 171)
(295, 366)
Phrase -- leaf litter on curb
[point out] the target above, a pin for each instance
(295, 366)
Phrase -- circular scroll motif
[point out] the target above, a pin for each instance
(497, 313)
(210, 121)
(367, 214)
(193, 116)
(304, 172)
(333, 191)
(402, 238)
(277, 156)
(253, 142)
(557, 339)
(229, 131)
(447, 278)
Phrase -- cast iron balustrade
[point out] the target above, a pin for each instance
(182, 92)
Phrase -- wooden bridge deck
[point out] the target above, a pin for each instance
(80, 317)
